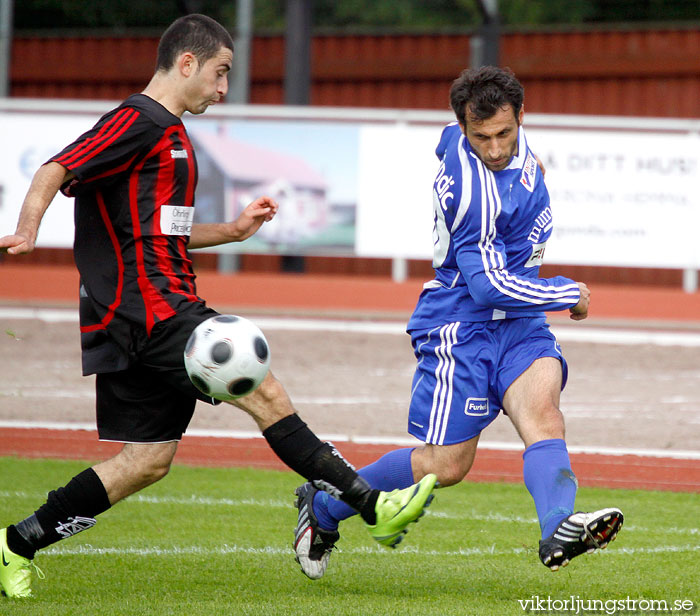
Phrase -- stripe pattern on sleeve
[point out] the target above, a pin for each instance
(108, 134)
(503, 281)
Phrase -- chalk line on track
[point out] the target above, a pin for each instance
(563, 332)
(400, 441)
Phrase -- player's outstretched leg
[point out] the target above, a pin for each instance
(312, 544)
(396, 510)
(15, 571)
(579, 533)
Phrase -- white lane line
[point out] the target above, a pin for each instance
(69, 426)
(223, 550)
(47, 315)
(399, 441)
(625, 336)
(80, 394)
(564, 333)
(75, 394)
(464, 516)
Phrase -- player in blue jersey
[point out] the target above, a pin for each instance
(479, 331)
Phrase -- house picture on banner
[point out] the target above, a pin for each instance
(233, 172)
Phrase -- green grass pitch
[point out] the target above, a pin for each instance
(218, 541)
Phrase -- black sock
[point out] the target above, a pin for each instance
(362, 499)
(301, 450)
(18, 544)
(67, 511)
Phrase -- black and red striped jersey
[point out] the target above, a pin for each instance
(135, 176)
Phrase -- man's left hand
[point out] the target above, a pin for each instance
(262, 210)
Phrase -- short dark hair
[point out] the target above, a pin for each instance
(483, 91)
(198, 34)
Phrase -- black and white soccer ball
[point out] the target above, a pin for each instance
(227, 357)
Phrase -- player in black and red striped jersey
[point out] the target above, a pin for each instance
(133, 176)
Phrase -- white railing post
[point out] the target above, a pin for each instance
(690, 280)
(399, 269)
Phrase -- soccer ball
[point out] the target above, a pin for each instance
(227, 357)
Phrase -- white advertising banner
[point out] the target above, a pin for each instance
(622, 193)
(619, 198)
(397, 167)
(28, 141)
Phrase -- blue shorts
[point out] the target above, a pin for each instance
(464, 370)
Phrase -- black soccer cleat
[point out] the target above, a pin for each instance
(579, 533)
(312, 544)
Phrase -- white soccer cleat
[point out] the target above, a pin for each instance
(312, 544)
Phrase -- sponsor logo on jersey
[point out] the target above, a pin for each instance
(178, 153)
(442, 184)
(543, 223)
(176, 219)
(477, 407)
(527, 179)
(537, 257)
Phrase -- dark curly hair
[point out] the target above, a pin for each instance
(483, 91)
(198, 34)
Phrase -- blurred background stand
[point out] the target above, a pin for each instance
(297, 80)
(5, 46)
(239, 94)
(485, 46)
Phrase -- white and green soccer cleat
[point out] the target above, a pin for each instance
(396, 510)
(15, 571)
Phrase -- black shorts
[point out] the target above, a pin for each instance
(153, 400)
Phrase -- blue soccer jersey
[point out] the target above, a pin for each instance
(489, 239)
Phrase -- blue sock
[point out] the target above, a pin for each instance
(550, 481)
(393, 470)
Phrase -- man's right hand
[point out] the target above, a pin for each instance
(16, 244)
(45, 184)
(580, 310)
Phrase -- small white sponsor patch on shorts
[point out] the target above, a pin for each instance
(477, 407)
(178, 153)
(176, 219)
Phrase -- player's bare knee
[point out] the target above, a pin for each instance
(553, 422)
(150, 472)
(447, 474)
(449, 469)
(268, 403)
(446, 478)
(452, 473)
(271, 390)
(157, 472)
(539, 423)
(147, 463)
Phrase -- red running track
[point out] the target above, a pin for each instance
(329, 294)
(491, 465)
